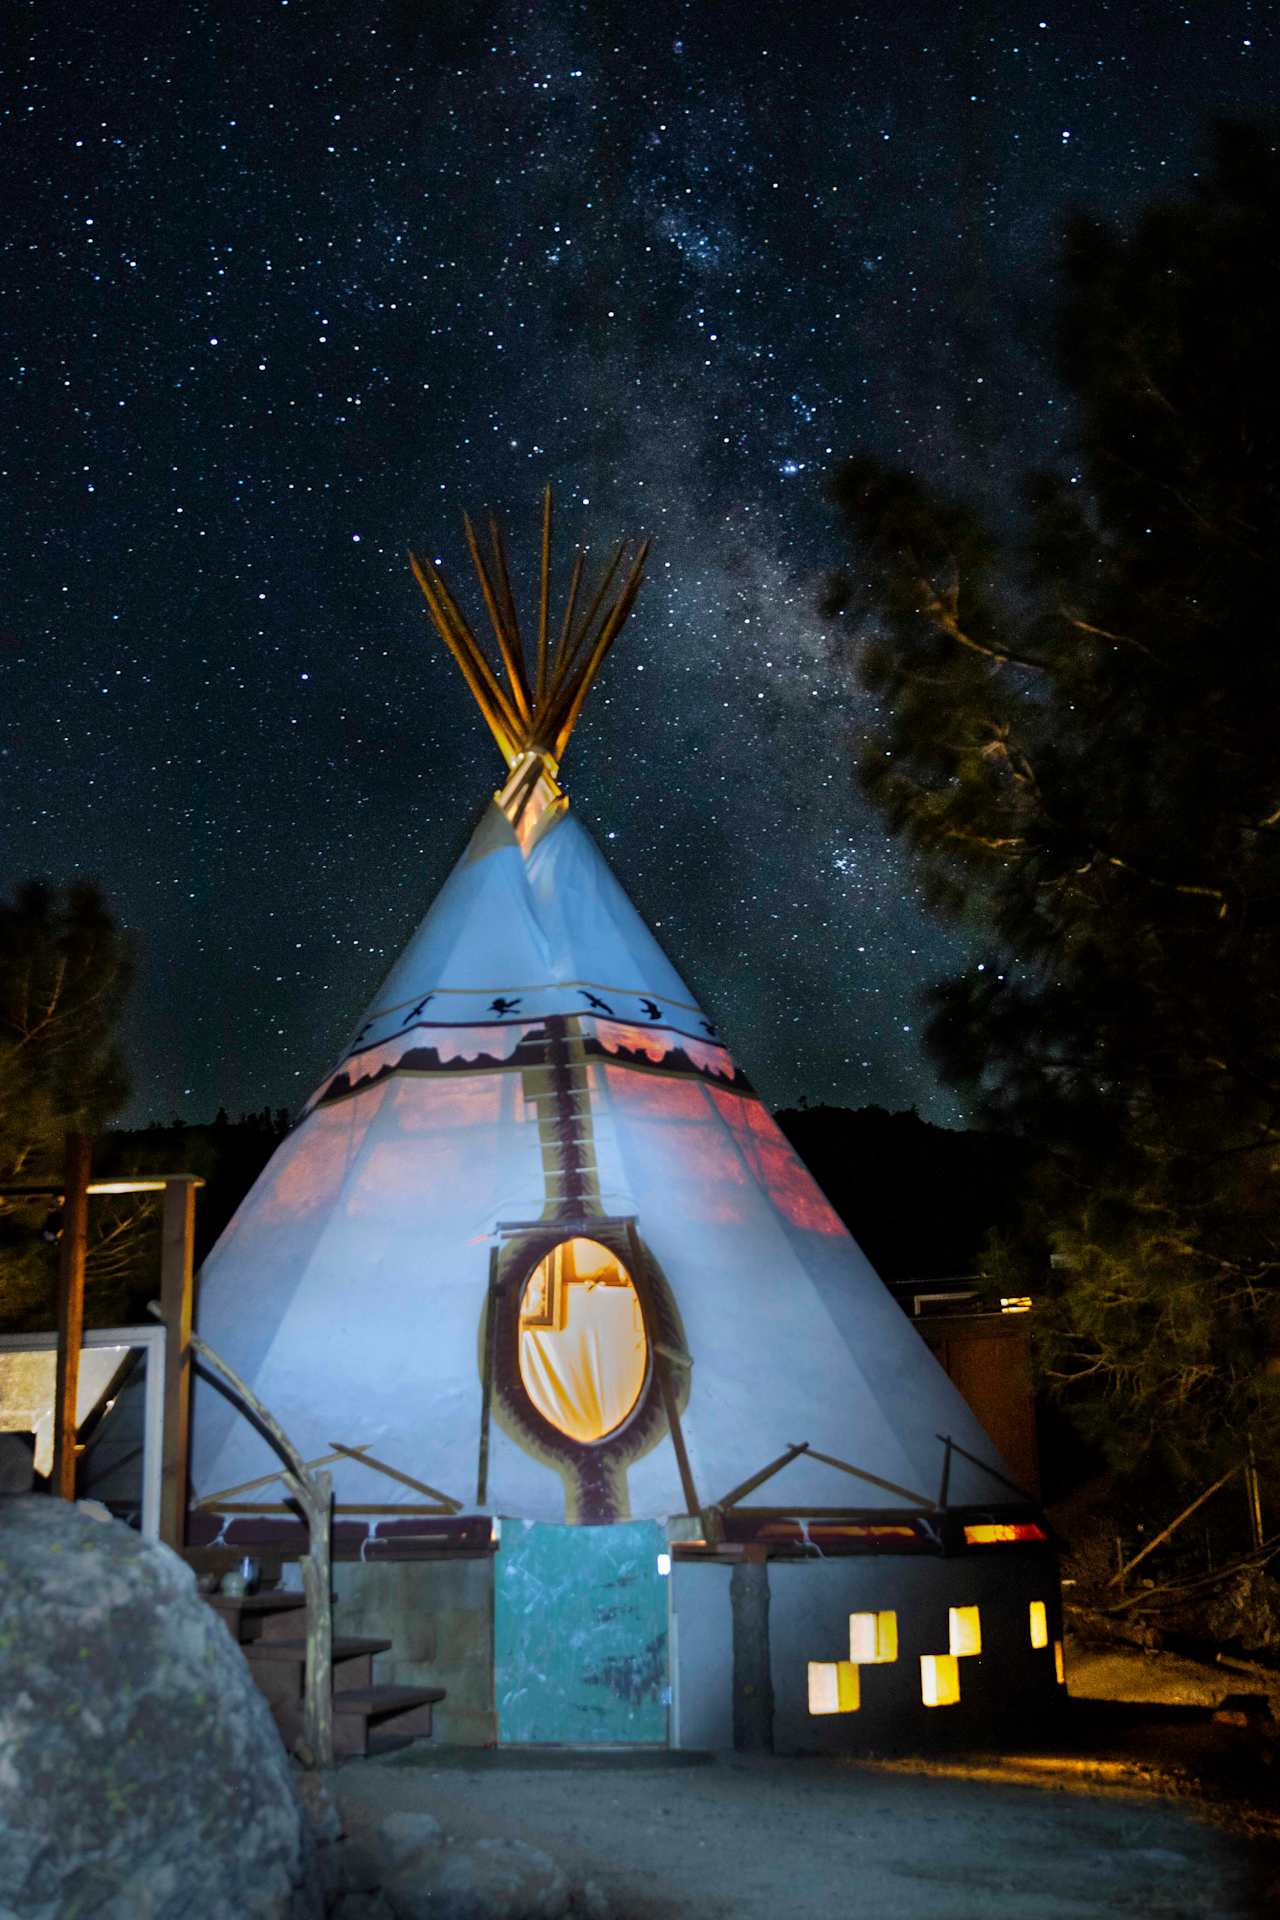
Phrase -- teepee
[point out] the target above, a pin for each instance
(535, 1248)
(535, 1224)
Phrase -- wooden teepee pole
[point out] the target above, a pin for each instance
(535, 712)
(497, 620)
(544, 596)
(566, 625)
(574, 650)
(608, 634)
(474, 668)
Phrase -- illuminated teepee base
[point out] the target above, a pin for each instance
(537, 1253)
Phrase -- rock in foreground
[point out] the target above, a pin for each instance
(141, 1775)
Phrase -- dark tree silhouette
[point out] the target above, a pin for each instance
(1078, 740)
(65, 969)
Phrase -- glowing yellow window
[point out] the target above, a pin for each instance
(833, 1686)
(873, 1638)
(964, 1626)
(1059, 1665)
(583, 1349)
(939, 1679)
(1039, 1624)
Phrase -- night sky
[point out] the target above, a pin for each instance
(287, 286)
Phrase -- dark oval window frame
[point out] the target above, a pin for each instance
(646, 1381)
(593, 1471)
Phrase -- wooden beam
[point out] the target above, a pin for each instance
(265, 1479)
(765, 1473)
(77, 1154)
(868, 1516)
(413, 1509)
(363, 1458)
(176, 1303)
(986, 1467)
(872, 1479)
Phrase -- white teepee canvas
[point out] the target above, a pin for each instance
(418, 1271)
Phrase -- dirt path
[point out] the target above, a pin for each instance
(756, 1839)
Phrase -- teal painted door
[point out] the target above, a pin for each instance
(580, 1633)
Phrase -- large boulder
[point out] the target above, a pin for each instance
(141, 1774)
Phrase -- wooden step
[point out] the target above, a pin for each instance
(403, 1711)
(250, 1617)
(265, 1626)
(279, 1666)
(346, 1646)
(362, 1712)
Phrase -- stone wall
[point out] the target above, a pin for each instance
(438, 1614)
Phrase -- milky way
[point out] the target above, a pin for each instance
(287, 286)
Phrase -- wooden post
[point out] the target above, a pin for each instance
(486, 1388)
(176, 1297)
(944, 1485)
(71, 1254)
(1253, 1496)
(314, 1495)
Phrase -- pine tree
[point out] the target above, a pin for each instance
(1078, 740)
(64, 972)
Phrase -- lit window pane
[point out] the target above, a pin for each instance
(1059, 1665)
(833, 1686)
(939, 1679)
(584, 1356)
(988, 1533)
(965, 1630)
(1039, 1624)
(873, 1638)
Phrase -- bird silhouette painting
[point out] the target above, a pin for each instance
(417, 1011)
(652, 1011)
(594, 1001)
(501, 1006)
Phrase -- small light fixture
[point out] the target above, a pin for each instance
(939, 1679)
(833, 1686)
(873, 1638)
(964, 1627)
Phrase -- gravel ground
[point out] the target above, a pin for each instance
(663, 1834)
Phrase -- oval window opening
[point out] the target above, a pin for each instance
(583, 1348)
